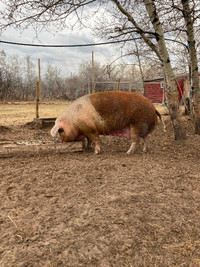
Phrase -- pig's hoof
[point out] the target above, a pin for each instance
(97, 151)
(128, 152)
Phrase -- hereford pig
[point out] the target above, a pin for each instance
(116, 113)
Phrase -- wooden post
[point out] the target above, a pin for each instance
(118, 83)
(93, 77)
(37, 99)
(129, 89)
(40, 84)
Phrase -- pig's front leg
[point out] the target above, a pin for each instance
(94, 137)
(86, 144)
(97, 146)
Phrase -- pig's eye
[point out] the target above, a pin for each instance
(60, 130)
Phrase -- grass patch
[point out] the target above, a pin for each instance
(21, 113)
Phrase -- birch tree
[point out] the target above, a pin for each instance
(189, 22)
(162, 53)
(183, 21)
(179, 130)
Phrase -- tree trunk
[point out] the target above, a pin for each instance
(140, 68)
(179, 129)
(194, 63)
(162, 53)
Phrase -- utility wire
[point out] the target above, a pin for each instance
(80, 45)
(75, 45)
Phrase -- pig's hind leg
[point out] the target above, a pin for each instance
(145, 138)
(135, 139)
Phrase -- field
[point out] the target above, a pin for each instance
(63, 207)
(15, 113)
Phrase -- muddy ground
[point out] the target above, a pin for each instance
(62, 207)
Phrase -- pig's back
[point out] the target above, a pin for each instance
(123, 108)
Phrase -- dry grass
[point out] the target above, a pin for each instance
(18, 113)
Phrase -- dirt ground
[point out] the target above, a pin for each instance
(64, 207)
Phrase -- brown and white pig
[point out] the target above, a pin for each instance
(114, 113)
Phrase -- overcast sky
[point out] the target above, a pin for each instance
(68, 59)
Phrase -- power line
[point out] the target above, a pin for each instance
(83, 45)
(75, 45)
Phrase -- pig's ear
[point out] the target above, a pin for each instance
(54, 130)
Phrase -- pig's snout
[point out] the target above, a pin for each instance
(57, 139)
(58, 136)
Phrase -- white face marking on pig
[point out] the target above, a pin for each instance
(54, 130)
(80, 109)
(79, 115)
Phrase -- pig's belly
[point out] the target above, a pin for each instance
(122, 133)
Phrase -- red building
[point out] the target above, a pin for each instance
(156, 90)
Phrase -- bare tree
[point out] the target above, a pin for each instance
(43, 14)
(29, 78)
(52, 85)
(189, 22)
(183, 21)
(3, 75)
(74, 89)
(152, 69)
(162, 53)
(85, 73)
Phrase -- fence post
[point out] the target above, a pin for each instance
(37, 99)
(40, 84)
(129, 89)
(93, 76)
(118, 83)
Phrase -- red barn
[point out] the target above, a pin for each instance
(156, 91)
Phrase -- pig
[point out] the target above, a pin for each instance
(114, 113)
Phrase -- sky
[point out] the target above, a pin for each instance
(67, 59)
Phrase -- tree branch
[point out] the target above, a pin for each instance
(139, 30)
